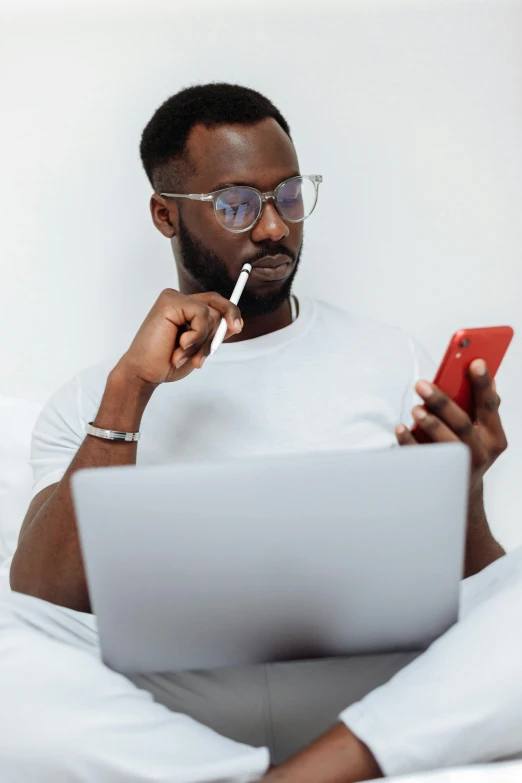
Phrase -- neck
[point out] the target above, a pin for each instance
(258, 325)
(255, 325)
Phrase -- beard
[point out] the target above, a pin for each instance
(210, 272)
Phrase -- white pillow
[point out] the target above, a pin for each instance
(17, 419)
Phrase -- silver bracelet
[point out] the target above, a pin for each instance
(130, 437)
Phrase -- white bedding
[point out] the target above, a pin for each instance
(510, 772)
(17, 419)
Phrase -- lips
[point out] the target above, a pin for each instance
(271, 268)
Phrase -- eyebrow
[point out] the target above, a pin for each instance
(222, 185)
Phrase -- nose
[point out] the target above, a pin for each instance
(270, 225)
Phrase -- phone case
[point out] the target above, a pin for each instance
(489, 343)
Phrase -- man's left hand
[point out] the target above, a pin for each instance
(445, 422)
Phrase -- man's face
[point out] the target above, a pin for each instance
(211, 257)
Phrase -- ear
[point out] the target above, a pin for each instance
(164, 215)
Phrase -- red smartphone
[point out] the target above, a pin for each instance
(489, 343)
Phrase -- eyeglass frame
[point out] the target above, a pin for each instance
(316, 179)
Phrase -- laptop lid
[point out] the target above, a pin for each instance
(259, 559)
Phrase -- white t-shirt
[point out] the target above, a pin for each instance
(327, 381)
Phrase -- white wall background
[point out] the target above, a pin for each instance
(412, 111)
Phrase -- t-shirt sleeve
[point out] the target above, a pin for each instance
(422, 367)
(57, 436)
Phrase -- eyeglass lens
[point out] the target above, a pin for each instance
(237, 209)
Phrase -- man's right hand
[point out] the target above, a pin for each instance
(175, 337)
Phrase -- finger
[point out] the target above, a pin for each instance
(230, 312)
(487, 403)
(233, 321)
(181, 357)
(494, 387)
(192, 339)
(404, 436)
(445, 421)
(198, 359)
(237, 326)
(196, 322)
(485, 396)
(438, 431)
(499, 398)
(194, 336)
(447, 411)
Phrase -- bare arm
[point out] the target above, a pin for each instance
(482, 548)
(336, 757)
(48, 562)
(173, 340)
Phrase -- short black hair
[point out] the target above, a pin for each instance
(165, 136)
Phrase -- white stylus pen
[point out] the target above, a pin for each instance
(236, 294)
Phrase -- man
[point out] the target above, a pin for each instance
(294, 375)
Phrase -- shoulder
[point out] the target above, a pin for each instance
(91, 381)
(380, 342)
(350, 326)
(60, 428)
(74, 401)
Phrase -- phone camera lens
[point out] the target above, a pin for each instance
(464, 343)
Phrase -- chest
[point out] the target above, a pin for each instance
(270, 409)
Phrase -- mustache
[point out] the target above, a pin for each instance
(270, 251)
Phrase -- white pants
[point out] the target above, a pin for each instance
(64, 716)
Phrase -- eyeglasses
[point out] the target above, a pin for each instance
(239, 207)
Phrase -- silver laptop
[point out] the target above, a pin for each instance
(200, 565)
